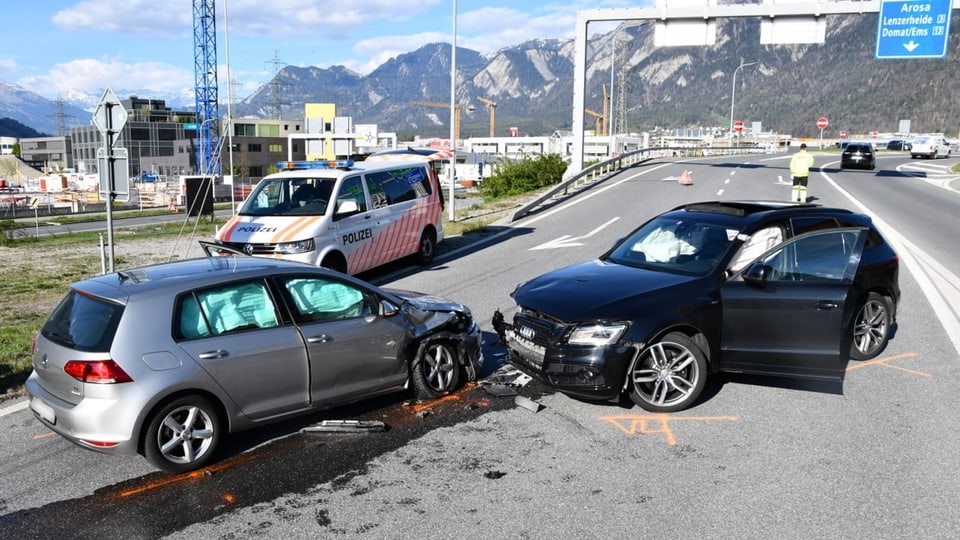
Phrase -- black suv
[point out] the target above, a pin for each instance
(858, 156)
(743, 286)
(899, 144)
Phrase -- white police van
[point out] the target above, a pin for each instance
(344, 215)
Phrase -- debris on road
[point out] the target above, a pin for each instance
(499, 390)
(346, 426)
(528, 404)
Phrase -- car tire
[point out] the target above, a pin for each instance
(427, 248)
(436, 371)
(668, 375)
(871, 327)
(182, 435)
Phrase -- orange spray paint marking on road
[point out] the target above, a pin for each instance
(193, 475)
(886, 363)
(43, 435)
(631, 424)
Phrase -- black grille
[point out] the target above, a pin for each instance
(543, 332)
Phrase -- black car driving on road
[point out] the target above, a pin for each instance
(858, 156)
(769, 288)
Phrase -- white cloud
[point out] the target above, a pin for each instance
(141, 17)
(8, 69)
(325, 19)
(92, 76)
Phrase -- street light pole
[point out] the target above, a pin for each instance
(733, 92)
(454, 114)
(609, 118)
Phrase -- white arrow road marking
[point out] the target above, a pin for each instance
(571, 241)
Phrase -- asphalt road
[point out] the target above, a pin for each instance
(756, 458)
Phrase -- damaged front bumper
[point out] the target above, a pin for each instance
(588, 372)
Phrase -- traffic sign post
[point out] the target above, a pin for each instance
(110, 117)
(114, 174)
(913, 29)
(822, 123)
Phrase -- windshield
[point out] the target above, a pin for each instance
(669, 244)
(289, 197)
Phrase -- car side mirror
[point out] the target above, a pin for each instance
(388, 309)
(346, 208)
(757, 274)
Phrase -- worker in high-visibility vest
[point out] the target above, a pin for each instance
(800, 165)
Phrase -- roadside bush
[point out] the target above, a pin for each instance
(516, 176)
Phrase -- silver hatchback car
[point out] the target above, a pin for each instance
(164, 360)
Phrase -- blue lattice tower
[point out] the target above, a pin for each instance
(207, 100)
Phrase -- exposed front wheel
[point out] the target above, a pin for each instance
(871, 327)
(668, 375)
(437, 370)
(183, 435)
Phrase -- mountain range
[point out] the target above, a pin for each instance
(785, 88)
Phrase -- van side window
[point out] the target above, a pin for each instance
(351, 191)
(399, 185)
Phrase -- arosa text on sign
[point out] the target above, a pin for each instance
(913, 28)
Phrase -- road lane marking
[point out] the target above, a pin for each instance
(571, 241)
(10, 409)
(932, 277)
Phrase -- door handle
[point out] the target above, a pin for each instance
(322, 338)
(826, 305)
(219, 353)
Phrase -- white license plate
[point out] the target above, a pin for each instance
(43, 410)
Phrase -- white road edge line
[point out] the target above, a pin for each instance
(910, 253)
(16, 407)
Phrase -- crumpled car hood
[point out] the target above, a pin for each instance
(430, 312)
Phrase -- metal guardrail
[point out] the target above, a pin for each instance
(604, 169)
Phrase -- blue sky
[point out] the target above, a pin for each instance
(56, 47)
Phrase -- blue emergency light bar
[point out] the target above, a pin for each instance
(302, 165)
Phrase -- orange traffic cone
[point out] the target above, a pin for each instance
(685, 179)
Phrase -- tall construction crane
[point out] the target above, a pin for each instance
(606, 112)
(599, 130)
(207, 108)
(493, 113)
(456, 115)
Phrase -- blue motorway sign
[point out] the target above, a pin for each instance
(913, 28)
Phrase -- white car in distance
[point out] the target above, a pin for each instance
(929, 146)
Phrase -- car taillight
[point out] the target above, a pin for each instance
(96, 372)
